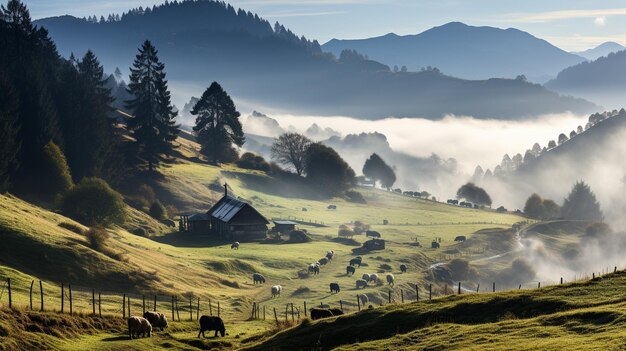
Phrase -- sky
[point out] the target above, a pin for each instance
(573, 25)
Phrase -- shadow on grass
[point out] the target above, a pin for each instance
(117, 338)
(190, 240)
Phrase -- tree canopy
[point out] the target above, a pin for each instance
(290, 149)
(326, 170)
(474, 194)
(376, 168)
(539, 208)
(153, 122)
(217, 124)
(581, 204)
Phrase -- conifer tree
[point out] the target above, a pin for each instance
(217, 124)
(153, 122)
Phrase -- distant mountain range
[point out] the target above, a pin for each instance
(466, 52)
(602, 80)
(601, 50)
(272, 68)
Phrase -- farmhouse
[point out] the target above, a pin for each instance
(230, 219)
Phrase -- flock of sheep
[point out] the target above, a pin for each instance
(142, 326)
(315, 268)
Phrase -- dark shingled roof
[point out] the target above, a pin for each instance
(199, 217)
(228, 207)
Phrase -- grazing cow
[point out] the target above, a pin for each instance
(258, 278)
(360, 284)
(336, 311)
(323, 261)
(435, 245)
(372, 233)
(304, 209)
(314, 268)
(139, 326)
(460, 238)
(330, 254)
(157, 319)
(235, 246)
(403, 268)
(365, 277)
(350, 270)
(334, 287)
(276, 290)
(355, 262)
(363, 298)
(208, 323)
(332, 207)
(319, 313)
(374, 278)
(390, 279)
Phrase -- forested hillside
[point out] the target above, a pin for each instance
(271, 66)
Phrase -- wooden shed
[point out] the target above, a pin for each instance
(284, 227)
(234, 219)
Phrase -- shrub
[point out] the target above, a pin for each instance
(158, 211)
(355, 196)
(58, 179)
(71, 227)
(251, 161)
(93, 202)
(97, 238)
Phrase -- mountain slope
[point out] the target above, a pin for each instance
(601, 50)
(203, 41)
(465, 51)
(603, 80)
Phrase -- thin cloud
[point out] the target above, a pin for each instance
(550, 16)
(302, 14)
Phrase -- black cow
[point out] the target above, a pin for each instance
(403, 268)
(372, 233)
(334, 287)
(208, 323)
(350, 270)
(319, 313)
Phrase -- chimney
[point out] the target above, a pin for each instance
(225, 189)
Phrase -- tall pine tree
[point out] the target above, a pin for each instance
(9, 144)
(217, 124)
(153, 124)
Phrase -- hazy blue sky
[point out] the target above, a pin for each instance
(570, 24)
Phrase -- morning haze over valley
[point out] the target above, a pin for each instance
(312, 175)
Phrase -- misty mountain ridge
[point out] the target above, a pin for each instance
(465, 51)
(204, 41)
(594, 155)
(603, 80)
(601, 50)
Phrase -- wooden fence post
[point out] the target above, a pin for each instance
(561, 280)
(593, 275)
(389, 295)
(520, 287)
(430, 291)
(210, 308)
(124, 306)
(615, 270)
(494, 286)
(538, 285)
(93, 301)
(293, 319)
(31, 294)
(62, 298)
(41, 293)
(478, 288)
(358, 302)
(304, 308)
(143, 304)
(402, 295)
(218, 309)
(10, 296)
(69, 287)
(190, 308)
(253, 310)
(459, 292)
(263, 312)
(128, 301)
(173, 308)
(275, 316)
(177, 308)
(417, 293)
(286, 313)
(198, 310)
(341, 305)
(155, 298)
(100, 304)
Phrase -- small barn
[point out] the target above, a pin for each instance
(234, 219)
(284, 227)
(199, 223)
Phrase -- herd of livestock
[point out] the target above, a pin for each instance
(143, 326)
